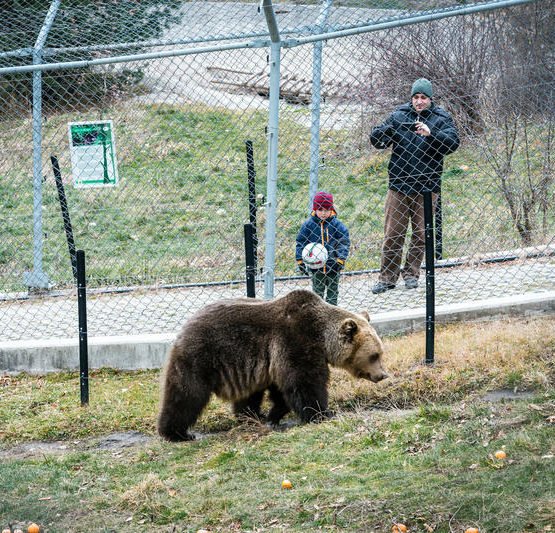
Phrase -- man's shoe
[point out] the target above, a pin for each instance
(411, 283)
(381, 286)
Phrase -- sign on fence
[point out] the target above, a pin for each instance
(93, 154)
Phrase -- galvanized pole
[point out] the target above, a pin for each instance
(38, 278)
(315, 102)
(273, 123)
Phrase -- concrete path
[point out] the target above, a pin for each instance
(163, 311)
(133, 329)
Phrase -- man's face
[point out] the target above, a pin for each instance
(420, 102)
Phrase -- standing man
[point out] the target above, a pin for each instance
(421, 134)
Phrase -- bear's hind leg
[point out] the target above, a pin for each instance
(279, 406)
(180, 409)
(249, 407)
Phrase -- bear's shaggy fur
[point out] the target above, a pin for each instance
(239, 348)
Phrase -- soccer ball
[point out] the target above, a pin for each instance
(315, 255)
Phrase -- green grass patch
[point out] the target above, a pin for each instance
(182, 199)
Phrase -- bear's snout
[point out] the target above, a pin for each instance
(378, 377)
(374, 377)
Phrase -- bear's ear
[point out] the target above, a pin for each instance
(364, 313)
(348, 329)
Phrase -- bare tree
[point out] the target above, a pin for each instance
(518, 111)
(496, 73)
(519, 151)
(456, 55)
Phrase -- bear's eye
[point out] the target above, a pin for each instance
(373, 357)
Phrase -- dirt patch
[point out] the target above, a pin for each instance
(35, 448)
(127, 439)
(112, 442)
(503, 395)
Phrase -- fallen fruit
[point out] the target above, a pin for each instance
(33, 528)
(399, 528)
(286, 484)
(499, 454)
(472, 530)
(6, 530)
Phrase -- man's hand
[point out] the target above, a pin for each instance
(422, 129)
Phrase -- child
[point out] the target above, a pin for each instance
(324, 227)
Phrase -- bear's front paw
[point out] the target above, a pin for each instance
(317, 416)
(282, 426)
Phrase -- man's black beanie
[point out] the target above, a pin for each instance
(423, 86)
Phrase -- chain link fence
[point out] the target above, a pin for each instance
(184, 86)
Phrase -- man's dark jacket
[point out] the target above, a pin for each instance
(416, 161)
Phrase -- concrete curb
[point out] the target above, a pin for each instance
(135, 352)
(395, 322)
(125, 352)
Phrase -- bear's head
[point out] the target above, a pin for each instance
(360, 349)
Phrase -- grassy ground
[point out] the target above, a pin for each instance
(416, 449)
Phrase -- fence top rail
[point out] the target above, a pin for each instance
(319, 33)
(246, 27)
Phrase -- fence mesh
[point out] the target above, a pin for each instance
(168, 238)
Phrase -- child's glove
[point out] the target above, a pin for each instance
(302, 269)
(336, 267)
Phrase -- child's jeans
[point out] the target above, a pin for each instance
(326, 285)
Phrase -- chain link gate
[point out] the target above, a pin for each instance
(185, 85)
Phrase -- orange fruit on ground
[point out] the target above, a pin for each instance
(499, 454)
(6, 530)
(399, 528)
(33, 528)
(286, 484)
(472, 530)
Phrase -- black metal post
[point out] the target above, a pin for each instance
(65, 214)
(439, 228)
(430, 276)
(250, 266)
(251, 175)
(83, 343)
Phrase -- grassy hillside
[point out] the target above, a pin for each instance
(177, 214)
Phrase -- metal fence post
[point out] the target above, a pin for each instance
(251, 175)
(430, 276)
(250, 267)
(315, 111)
(83, 336)
(273, 128)
(439, 227)
(38, 278)
(65, 214)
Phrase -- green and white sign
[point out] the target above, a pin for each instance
(93, 154)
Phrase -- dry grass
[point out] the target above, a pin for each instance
(470, 358)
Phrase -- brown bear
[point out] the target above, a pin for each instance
(239, 348)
